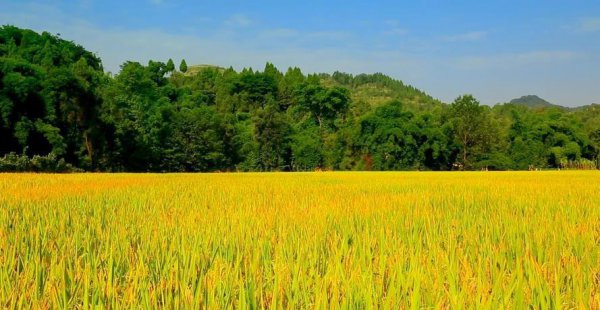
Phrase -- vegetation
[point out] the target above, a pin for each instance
(20, 163)
(533, 101)
(56, 100)
(301, 240)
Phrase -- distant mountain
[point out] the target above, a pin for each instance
(534, 101)
(594, 107)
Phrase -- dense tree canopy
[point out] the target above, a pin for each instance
(57, 103)
(472, 129)
(49, 97)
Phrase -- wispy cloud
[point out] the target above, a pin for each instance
(394, 28)
(512, 60)
(589, 25)
(279, 33)
(239, 20)
(468, 36)
(419, 57)
(396, 32)
(313, 51)
(328, 35)
(85, 3)
(287, 38)
(391, 23)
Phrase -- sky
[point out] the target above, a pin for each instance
(496, 50)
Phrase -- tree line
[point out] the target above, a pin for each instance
(60, 111)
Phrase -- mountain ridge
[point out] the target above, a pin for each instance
(535, 102)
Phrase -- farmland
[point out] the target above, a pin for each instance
(301, 240)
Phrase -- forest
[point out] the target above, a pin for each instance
(60, 111)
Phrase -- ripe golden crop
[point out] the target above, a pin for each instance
(301, 240)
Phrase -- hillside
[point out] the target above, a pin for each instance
(58, 107)
(533, 101)
(372, 90)
(193, 70)
(377, 89)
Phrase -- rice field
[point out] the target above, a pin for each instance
(301, 240)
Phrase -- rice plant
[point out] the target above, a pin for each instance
(393, 240)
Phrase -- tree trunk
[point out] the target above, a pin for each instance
(89, 148)
(320, 124)
(465, 141)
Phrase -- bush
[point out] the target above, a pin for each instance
(20, 163)
(495, 161)
(580, 164)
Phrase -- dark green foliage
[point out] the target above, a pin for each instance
(170, 65)
(49, 164)
(533, 101)
(196, 142)
(49, 99)
(60, 110)
(393, 138)
(472, 128)
(388, 137)
(272, 135)
(307, 150)
(183, 66)
(323, 103)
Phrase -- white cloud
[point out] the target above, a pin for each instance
(396, 32)
(279, 33)
(589, 25)
(85, 3)
(463, 37)
(241, 42)
(511, 60)
(328, 35)
(317, 51)
(394, 28)
(239, 20)
(391, 23)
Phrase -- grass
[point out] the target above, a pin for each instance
(301, 240)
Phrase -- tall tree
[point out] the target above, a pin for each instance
(49, 97)
(323, 103)
(272, 134)
(183, 66)
(170, 65)
(196, 143)
(472, 128)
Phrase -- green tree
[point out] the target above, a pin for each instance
(472, 128)
(272, 134)
(196, 143)
(49, 97)
(170, 65)
(307, 149)
(183, 66)
(394, 138)
(140, 114)
(58, 105)
(595, 138)
(323, 103)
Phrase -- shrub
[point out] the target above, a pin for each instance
(21, 163)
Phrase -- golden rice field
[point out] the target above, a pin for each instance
(301, 240)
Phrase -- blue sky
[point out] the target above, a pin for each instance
(496, 49)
